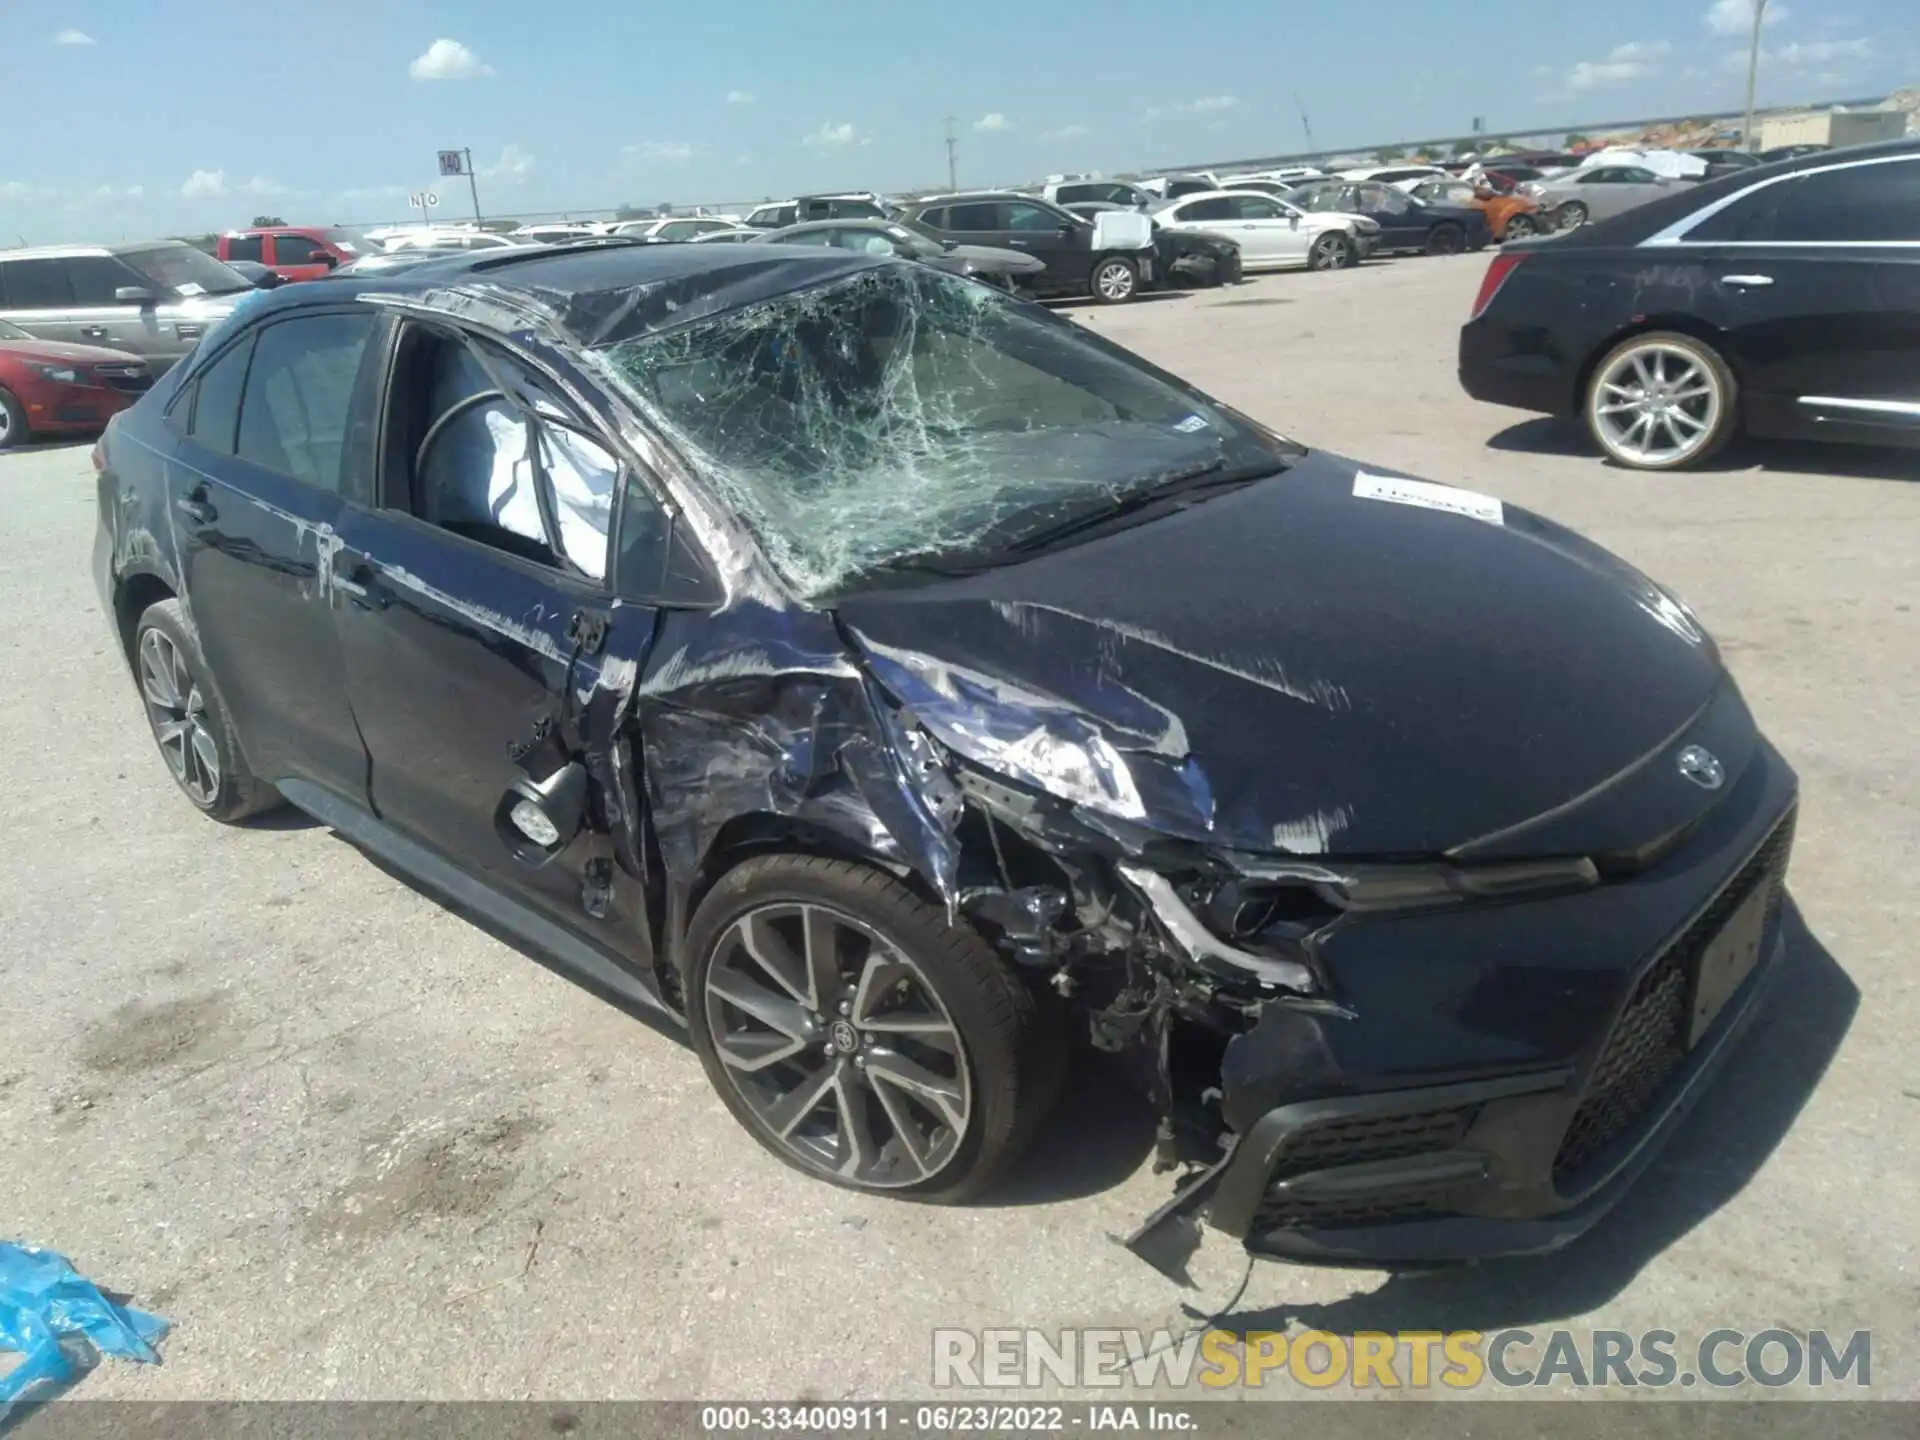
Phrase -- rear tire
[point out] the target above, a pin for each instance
(1446, 238)
(935, 993)
(189, 719)
(1115, 281)
(1662, 401)
(13, 422)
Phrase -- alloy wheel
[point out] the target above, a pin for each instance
(1656, 404)
(1331, 252)
(6, 423)
(178, 711)
(1519, 227)
(839, 1045)
(1572, 215)
(1115, 281)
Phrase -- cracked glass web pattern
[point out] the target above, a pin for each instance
(906, 412)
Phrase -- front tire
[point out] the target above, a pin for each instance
(1331, 251)
(1520, 227)
(1446, 238)
(1115, 281)
(1662, 401)
(1571, 216)
(13, 422)
(861, 1038)
(190, 721)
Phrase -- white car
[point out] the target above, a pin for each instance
(1285, 175)
(1398, 175)
(548, 234)
(452, 240)
(1271, 234)
(676, 227)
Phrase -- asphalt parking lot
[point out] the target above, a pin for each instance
(352, 1146)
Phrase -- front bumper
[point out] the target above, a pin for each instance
(1476, 1165)
(55, 407)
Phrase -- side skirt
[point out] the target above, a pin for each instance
(560, 950)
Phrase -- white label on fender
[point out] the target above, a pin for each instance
(1428, 496)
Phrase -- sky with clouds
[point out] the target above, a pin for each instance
(200, 114)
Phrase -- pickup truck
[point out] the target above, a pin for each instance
(293, 252)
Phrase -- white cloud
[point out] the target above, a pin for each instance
(1735, 17)
(1803, 53)
(514, 164)
(830, 135)
(20, 190)
(261, 186)
(204, 185)
(994, 124)
(134, 192)
(741, 97)
(374, 192)
(1067, 132)
(660, 152)
(1154, 112)
(1633, 61)
(448, 60)
(73, 37)
(1207, 104)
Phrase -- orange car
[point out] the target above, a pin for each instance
(1510, 217)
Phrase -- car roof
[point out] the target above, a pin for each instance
(62, 252)
(965, 197)
(598, 292)
(1657, 214)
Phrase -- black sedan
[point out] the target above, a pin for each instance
(1783, 301)
(1182, 257)
(883, 680)
(1406, 224)
(1009, 269)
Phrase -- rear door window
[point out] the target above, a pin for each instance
(299, 405)
(298, 250)
(36, 284)
(1853, 204)
(245, 247)
(1218, 208)
(213, 416)
(978, 217)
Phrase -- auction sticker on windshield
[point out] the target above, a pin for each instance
(1428, 496)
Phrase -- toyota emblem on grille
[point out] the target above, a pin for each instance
(1702, 767)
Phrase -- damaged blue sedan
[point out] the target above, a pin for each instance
(899, 687)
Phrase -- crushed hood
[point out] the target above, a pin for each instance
(1330, 661)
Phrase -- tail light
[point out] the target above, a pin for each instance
(1501, 267)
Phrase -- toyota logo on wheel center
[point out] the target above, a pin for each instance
(845, 1038)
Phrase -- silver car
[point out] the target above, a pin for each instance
(156, 298)
(1597, 192)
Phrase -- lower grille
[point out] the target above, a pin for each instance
(131, 380)
(1350, 1141)
(1648, 1044)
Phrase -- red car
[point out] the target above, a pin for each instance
(294, 252)
(49, 388)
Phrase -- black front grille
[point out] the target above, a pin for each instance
(132, 379)
(1648, 1043)
(1351, 1140)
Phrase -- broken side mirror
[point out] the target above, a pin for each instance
(537, 819)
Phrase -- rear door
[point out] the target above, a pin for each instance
(484, 641)
(1820, 275)
(275, 431)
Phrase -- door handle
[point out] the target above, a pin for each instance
(195, 507)
(1746, 281)
(354, 578)
(96, 332)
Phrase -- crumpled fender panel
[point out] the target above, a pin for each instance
(756, 711)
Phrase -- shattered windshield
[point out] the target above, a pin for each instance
(904, 412)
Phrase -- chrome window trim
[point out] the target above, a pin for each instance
(1676, 233)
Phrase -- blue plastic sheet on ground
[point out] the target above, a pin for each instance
(61, 1324)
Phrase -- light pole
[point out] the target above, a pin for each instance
(1753, 71)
